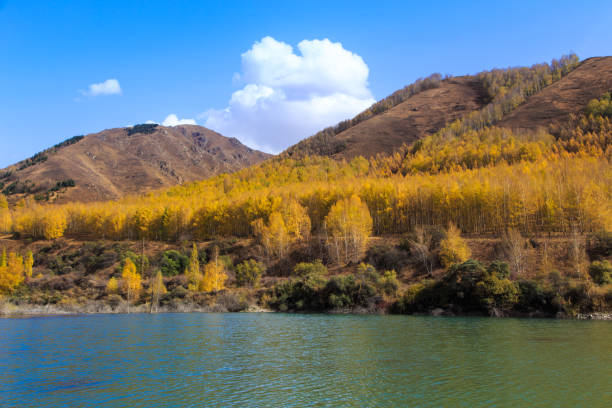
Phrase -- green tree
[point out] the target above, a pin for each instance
(173, 263)
(249, 272)
(601, 272)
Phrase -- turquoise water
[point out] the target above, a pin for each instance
(285, 360)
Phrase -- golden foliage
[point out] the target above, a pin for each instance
(453, 248)
(28, 264)
(348, 226)
(481, 178)
(11, 272)
(131, 280)
(112, 286)
(284, 227)
(157, 289)
(193, 274)
(214, 275)
(6, 220)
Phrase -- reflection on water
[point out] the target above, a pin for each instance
(283, 360)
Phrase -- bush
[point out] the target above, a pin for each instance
(472, 287)
(95, 263)
(299, 294)
(144, 128)
(419, 297)
(173, 263)
(422, 244)
(347, 292)
(599, 245)
(232, 302)
(248, 273)
(139, 260)
(387, 283)
(601, 272)
(532, 297)
(226, 261)
(387, 257)
(310, 268)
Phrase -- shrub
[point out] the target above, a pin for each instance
(226, 261)
(140, 261)
(347, 292)
(471, 286)
(310, 268)
(144, 128)
(533, 297)
(422, 243)
(112, 287)
(387, 283)
(453, 248)
(173, 263)
(601, 272)
(299, 294)
(419, 297)
(248, 273)
(387, 257)
(94, 263)
(599, 245)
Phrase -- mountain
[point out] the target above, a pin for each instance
(420, 114)
(554, 104)
(517, 98)
(120, 161)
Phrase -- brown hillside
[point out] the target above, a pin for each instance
(569, 95)
(113, 163)
(421, 114)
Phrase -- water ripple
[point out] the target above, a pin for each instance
(282, 360)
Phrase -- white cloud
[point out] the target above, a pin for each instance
(288, 96)
(173, 120)
(108, 87)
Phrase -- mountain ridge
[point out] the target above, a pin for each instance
(120, 161)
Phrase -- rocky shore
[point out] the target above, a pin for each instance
(594, 316)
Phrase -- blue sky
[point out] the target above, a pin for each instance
(188, 58)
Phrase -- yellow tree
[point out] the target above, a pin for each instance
(11, 272)
(28, 264)
(348, 226)
(132, 282)
(112, 286)
(273, 236)
(289, 225)
(214, 274)
(6, 221)
(157, 290)
(453, 248)
(51, 224)
(297, 222)
(193, 274)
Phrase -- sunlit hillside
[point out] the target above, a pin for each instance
(472, 177)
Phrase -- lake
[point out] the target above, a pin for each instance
(294, 360)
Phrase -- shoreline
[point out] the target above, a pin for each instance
(8, 311)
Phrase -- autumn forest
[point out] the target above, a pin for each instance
(477, 217)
